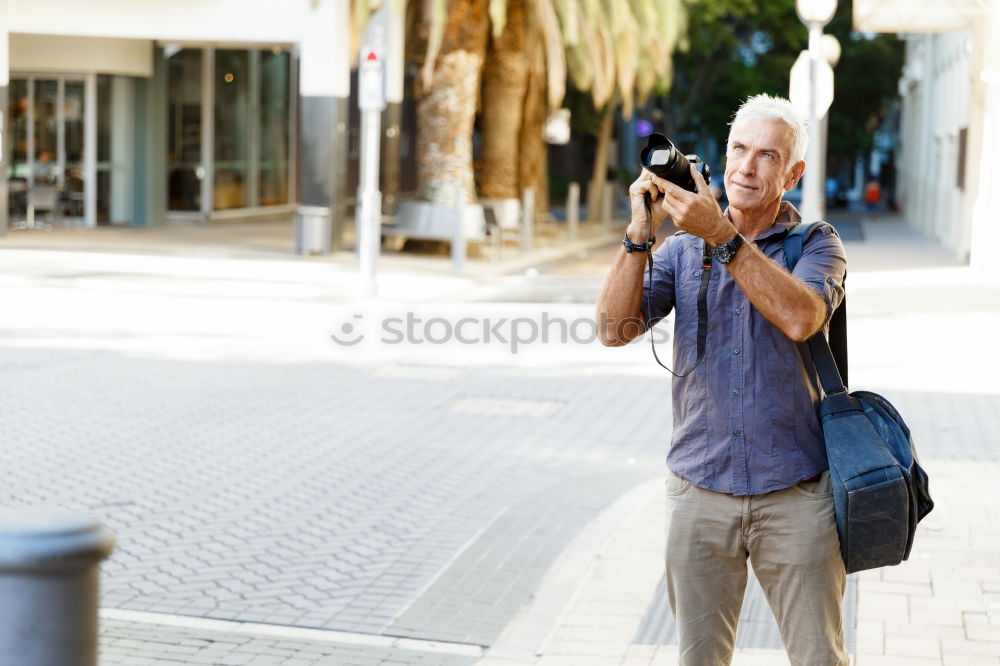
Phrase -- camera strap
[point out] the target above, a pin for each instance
(706, 270)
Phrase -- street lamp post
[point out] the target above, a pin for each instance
(831, 54)
(814, 14)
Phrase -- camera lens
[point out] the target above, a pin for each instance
(659, 157)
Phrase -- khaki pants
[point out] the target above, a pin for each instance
(791, 540)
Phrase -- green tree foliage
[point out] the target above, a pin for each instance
(736, 48)
(739, 48)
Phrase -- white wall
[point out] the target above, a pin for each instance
(116, 36)
(325, 50)
(936, 106)
(4, 71)
(71, 55)
(984, 173)
(270, 21)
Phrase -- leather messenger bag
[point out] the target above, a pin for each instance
(880, 491)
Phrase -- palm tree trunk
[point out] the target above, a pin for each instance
(595, 190)
(446, 109)
(505, 80)
(533, 150)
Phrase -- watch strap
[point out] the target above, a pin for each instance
(728, 249)
(631, 247)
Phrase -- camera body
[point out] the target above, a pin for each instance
(662, 158)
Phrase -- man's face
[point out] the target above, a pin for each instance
(758, 168)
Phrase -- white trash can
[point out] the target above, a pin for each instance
(312, 230)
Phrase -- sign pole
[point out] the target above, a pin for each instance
(811, 93)
(371, 102)
(812, 188)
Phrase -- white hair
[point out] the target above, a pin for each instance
(771, 107)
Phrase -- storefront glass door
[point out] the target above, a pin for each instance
(229, 146)
(46, 175)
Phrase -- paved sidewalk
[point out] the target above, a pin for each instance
(273, 240)
(339, 511)
(942, 606)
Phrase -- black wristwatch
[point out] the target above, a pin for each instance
(631, 247)
(724, 253)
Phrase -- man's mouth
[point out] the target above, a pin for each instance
(745, 187)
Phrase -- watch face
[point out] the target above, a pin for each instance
(723, 254)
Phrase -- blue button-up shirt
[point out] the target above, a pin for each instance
(745, 422)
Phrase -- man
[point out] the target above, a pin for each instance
(747, 466)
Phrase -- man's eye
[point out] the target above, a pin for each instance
(768, 156)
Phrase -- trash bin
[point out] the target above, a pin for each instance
(49, 571)
(312, 230)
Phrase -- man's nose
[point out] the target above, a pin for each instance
(746, 166)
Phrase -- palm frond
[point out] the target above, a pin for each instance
(360, 11)
(626, 33)
(435, 14)
(555, 53)
(498, 16)
(569, 21)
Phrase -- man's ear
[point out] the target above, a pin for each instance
(795, 174)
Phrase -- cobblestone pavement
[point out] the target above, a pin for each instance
(324, 496)
(140, 644)
(254, 471)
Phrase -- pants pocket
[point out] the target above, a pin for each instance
(676, 485)
(821, 488)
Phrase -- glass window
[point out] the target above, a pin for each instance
(232, 101)
(184, 167)
(18, 96)
(274, 130)
(46, 131)
(251, 132)
(73, 168)
(104, 105)
(17, 172)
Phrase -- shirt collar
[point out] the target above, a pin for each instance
(788, 217)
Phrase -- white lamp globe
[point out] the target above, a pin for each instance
(830, 47)
(816, 11)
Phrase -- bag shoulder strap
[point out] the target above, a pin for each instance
(830, 357)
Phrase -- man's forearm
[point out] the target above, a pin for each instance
(783, 299)
(619, 318)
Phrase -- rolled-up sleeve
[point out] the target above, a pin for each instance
(823, 266)
(658, 302)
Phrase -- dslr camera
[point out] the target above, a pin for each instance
(662, 158)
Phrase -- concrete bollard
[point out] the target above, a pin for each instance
(49, 574)
(573, 210)
(608, 205)
(459, 246)
(527, 219)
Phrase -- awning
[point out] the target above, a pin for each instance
(917, 15)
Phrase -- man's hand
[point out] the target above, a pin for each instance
(639, 229)
(697, 214)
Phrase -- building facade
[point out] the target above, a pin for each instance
(117, 112)
(949, 172)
